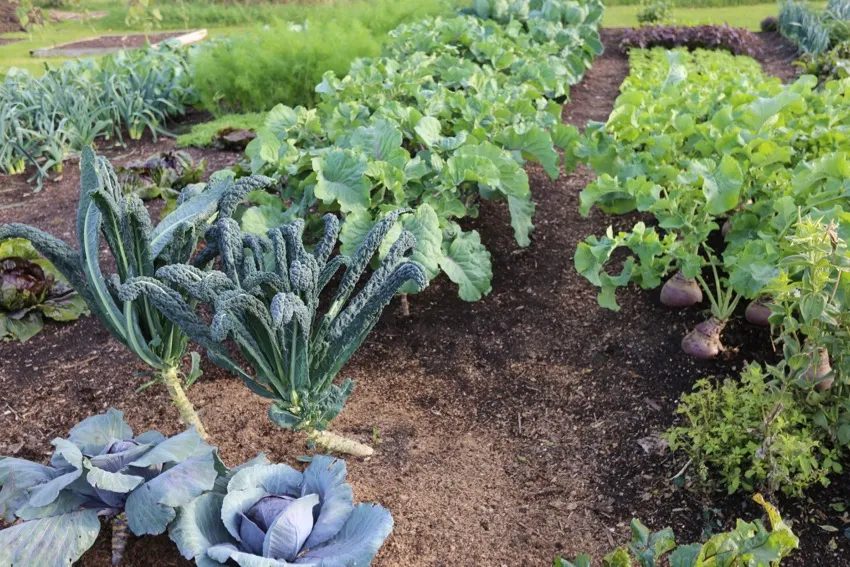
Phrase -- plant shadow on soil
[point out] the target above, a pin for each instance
(507, 430)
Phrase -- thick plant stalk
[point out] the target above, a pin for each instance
(339, 444)
(120, 534)
(184, 406)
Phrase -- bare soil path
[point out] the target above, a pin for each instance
(507, 429)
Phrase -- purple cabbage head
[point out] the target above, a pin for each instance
(274, 515)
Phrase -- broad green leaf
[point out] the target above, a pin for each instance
(533, 142)
(340, 179)
(467, 263)
(722, 188)
(522, 215)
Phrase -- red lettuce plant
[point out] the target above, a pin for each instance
(738, 41)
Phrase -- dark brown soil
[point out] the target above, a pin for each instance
(6, 40)
(777, 55)
(124, 41)
(506, 430)
(9, 17)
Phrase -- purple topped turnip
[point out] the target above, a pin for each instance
(704, 341)
(758, 312)
(817, 375)
(680, 291)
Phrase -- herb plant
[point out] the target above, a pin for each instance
(654, 12)
(267, 299)
(748, 545)
(754, 434)
(31, 289)
(276, 515)
(100, 470)
(138, 249)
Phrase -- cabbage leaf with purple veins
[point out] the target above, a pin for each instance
(101, 470)
(275, 516)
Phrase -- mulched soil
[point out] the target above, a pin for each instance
(506, 430)
(8, 17)
(124, 41)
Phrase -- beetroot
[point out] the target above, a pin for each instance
(817, 375)
(758, 313)
(680, 291)
(704, 341)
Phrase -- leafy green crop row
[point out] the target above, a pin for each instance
(43, 119)
(708, 146)
(448, 116)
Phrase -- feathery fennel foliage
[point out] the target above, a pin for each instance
(138, 249)
(266, 297)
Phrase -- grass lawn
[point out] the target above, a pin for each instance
(738, 16)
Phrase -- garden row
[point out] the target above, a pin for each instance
(72, 106)
(367, 152)
(745, 179)
(448, 116)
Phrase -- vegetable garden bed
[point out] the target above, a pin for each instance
(506, 430)
(112, 43)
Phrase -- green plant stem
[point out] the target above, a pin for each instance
(171, 377)
(339, 444)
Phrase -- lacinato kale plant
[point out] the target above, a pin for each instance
(137, 249)
(31, 289)
(275, 515)
(750, 544)
(100, 471)
(266, 297)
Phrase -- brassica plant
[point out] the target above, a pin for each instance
(31, 289)
(138, 249)
(274, 515)
(100, 470)
(163, 174)
(267, 299)
(750, 544)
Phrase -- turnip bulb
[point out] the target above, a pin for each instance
(758, 313)
(818, 374)
(680, 291)
(704, 341)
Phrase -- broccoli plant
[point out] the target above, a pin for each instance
(31, 289)
(138, 249)
(100, 470)
(275, 515)
(267, 299)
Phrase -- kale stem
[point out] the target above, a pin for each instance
(171, 378)
(339, 444)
